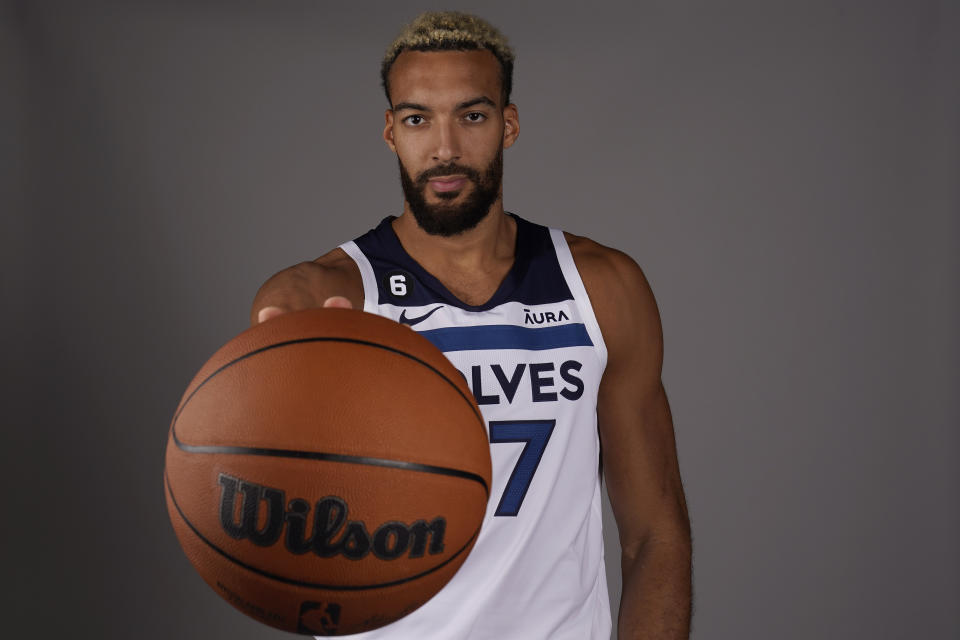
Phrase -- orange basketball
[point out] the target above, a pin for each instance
(327, 471)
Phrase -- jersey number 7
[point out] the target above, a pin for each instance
(536, 434)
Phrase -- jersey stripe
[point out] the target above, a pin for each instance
(507, 336)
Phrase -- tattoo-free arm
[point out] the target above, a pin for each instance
(639, 451)
(332, 280)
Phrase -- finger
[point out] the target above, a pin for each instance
(267, 313)
(338, 302)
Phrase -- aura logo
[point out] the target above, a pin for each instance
(532, 317)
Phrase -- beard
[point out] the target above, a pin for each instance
(446, 218)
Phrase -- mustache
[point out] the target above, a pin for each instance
(447, 170)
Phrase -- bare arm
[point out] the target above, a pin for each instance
(331, 280)
(639, 450)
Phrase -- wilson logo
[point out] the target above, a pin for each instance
(532, 317)
(256, 513)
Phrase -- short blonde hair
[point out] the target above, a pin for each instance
(450, 31)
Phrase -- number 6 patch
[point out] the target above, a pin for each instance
(399, 284)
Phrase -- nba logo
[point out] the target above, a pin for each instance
(317, 619)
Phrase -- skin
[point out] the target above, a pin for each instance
(447, 109)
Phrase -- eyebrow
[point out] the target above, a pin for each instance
(400, 106)
(413, 106)
(481, 100)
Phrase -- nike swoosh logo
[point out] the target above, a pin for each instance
(412, 321)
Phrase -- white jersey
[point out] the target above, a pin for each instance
(533, 356)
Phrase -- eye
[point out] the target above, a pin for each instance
(415, 120)
(475, 116)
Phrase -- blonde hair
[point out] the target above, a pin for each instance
(450, 31)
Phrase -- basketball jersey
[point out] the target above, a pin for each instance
(533, 356)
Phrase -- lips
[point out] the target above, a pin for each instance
(445, 184)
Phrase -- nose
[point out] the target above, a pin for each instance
(447, 143)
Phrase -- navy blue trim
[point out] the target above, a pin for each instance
(534, 279)
(508, 336)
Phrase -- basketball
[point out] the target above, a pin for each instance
(327, 471)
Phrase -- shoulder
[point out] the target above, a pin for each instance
(622, 300)
(334, 269)
(610, 269)
(335, 264)
(308, 284)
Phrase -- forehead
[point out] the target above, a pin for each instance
(426, 77)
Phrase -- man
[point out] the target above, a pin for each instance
(559, 339)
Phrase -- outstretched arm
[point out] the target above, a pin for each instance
(638, 448)
(330, 281)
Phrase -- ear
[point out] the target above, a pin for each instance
(388, 130)
(511, 125)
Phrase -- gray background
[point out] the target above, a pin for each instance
(786, 174)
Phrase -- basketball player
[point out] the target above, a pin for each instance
(559, 339)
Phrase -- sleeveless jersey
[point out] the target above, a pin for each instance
(533, 356)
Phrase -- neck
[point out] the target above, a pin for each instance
(485, 248)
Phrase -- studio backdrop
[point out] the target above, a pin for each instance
(784, 172)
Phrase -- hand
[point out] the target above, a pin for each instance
(268, 313)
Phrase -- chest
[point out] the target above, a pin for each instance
(473, 287)
(514, 354)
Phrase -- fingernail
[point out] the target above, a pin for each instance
(268, 312)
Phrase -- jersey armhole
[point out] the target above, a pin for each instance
(366, 273)
(580, 296)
